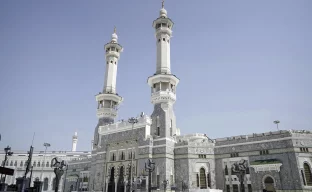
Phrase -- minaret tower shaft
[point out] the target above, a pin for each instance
(163, 95)
(108, 100)
(75, 140)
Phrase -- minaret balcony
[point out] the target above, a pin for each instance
(109, 96)
(165, 30)
(106, 112)
(112, 54)
(163, 96)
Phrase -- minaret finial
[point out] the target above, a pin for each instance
(162, 3)
(115, 29)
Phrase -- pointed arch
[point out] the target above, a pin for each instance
(269, 183)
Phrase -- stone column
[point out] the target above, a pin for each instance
(116, 180)
(106, 184)
(125, 185)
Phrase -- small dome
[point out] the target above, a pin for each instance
(163, 12)
(114, 37)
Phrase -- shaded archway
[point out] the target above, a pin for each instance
(269, 184)
(202, 177)
(53, 183)
(45, 184)
(307, 174)
(111, 182)
(121, 184)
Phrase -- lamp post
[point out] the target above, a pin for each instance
(46, 145)
(58, 170)
(184, 186)
(165, 183)
(276, 122)
(8, 152)
(65, 178)
(239, 169)
(133, 121)
(150, 167)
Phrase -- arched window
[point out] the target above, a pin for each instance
(11, 164)
(202, 175)
(38, 165)
(307, 173)
(226, 171)
(111, 179)
(45, 184)
(21, 164)
(47, 165)
(15, 163)
(54, 183)
(121, 173)
(34, 164)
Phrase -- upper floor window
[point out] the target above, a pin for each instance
(264, 152)
(304, 149)
(122, 156)
(113, 157)
(234, 154)
(202, 156)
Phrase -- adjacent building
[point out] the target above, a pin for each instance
(41, 163)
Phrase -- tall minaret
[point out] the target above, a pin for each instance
(163, 83)
(163, 95)
(75, 140)
(109, 100)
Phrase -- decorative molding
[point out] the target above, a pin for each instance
(267, 167)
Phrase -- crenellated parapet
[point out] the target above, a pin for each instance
(262, 136)
(143, 121)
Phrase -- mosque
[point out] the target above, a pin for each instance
(274, 161)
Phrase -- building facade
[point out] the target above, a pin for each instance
(41, 162)
(275, 161)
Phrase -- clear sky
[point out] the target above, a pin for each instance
(242, 64)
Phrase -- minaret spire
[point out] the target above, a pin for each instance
(115, 29)
(162, 4)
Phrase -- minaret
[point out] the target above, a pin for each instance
(163, 95)
(108, 100)
(163, 83)
(75, 140)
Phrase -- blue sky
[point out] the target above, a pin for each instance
(242, 64)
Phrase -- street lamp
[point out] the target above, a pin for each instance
(58, 170)
(133, 121)
(46, 145)
(150, 167)
(276, 122)
(8, 152)
(239, 169)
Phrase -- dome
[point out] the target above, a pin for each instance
(163, 12)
